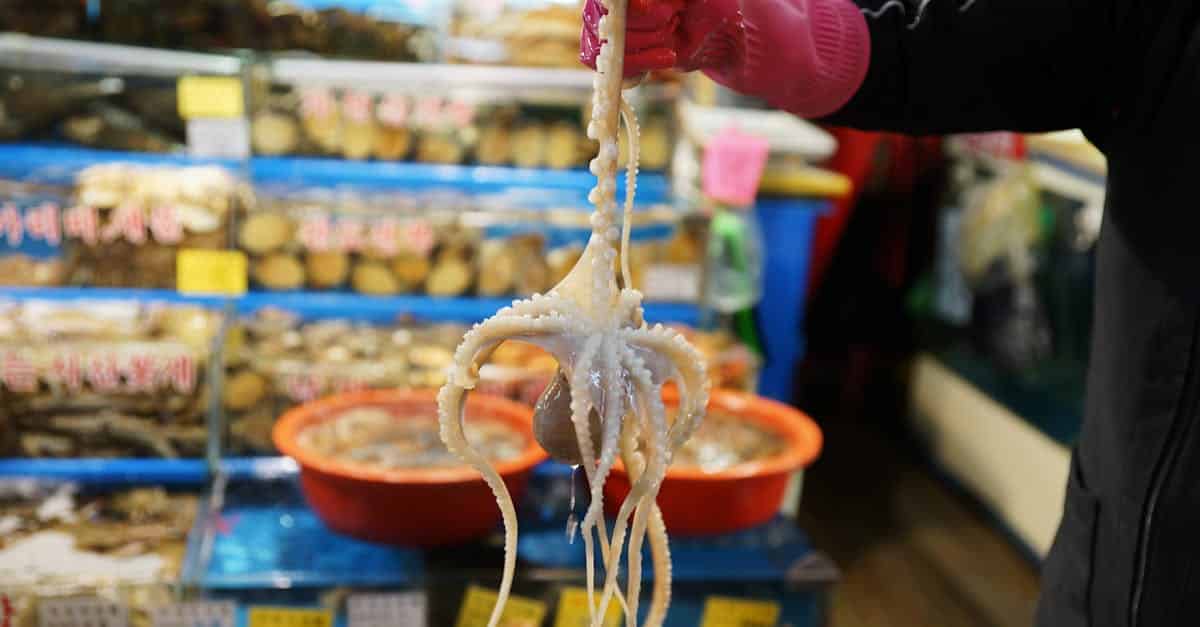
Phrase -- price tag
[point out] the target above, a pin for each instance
(218, 138)
(210, 97)
(199, 271)
(387, 610)
(289, 617)
(672, 283)
(82, 612)
(194, 614)
(518, 612)
(733, 167)
(573, 610)
(727, 612)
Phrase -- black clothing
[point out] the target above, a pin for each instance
(1128, 73)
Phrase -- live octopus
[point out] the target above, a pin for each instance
(612, 367)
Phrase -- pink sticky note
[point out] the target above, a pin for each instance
(733, 167)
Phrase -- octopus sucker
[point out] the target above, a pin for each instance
(612, 365)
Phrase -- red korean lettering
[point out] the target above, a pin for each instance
(82, 223)
(68, 370)
(348, 235)
(316, 233)
(103, 374)
(180, 373)
(385, 237)
(11, 224)
(127, 221)
(316, 103)
(356, 105)
(393, 110)
(42, 222)
(141, 373)
(419, 237)
(18, 373)
(461, 114)
(165, 225)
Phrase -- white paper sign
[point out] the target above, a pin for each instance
(195, 614)
(387, 610)
(674, 283)
(82, 612)
(218, 138)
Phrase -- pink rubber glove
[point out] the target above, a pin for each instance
(808, 57)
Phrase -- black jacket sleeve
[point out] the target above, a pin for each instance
(945, 66)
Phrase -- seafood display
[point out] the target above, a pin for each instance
(113, 112)
(275, 360)
(264, 25)
(99, 379)
(725, 441)
(538, 36)
(127, 222)
(392, 126)
(374, 244)
(379, 438)
(607, 395)
(125, 546)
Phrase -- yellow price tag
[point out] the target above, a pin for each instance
(289, 617)
(573, 610)
(210, 97)
(727, 612)
(518, 612)
(201, 271)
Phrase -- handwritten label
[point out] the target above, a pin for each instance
(195, 614)
(288, 617)
(518, 612)
(221, 272)
(573, 610)
(135, 372)
(728, 612)
(320, 233)
(387, 610)
(82, 612)
(733, 167)
(210, 97)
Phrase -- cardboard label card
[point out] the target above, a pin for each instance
(518, 612)
(733, 167)
(387, 610)
(195, 614)
(82, 612)
(728, 612)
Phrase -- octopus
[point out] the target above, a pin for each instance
(606, 399)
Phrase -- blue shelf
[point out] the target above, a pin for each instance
(382, 309)
(532, 188)
(169, 472)
(317, 305)
(55, 163)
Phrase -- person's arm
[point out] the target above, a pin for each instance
(943, 66)
(915, 66)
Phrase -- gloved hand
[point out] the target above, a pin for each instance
(803, 56)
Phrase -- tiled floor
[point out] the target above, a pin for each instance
(913, 552)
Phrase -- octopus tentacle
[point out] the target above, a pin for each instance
(631, 172)
(693, 393)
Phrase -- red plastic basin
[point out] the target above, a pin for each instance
(412, 507)
(694, 502)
